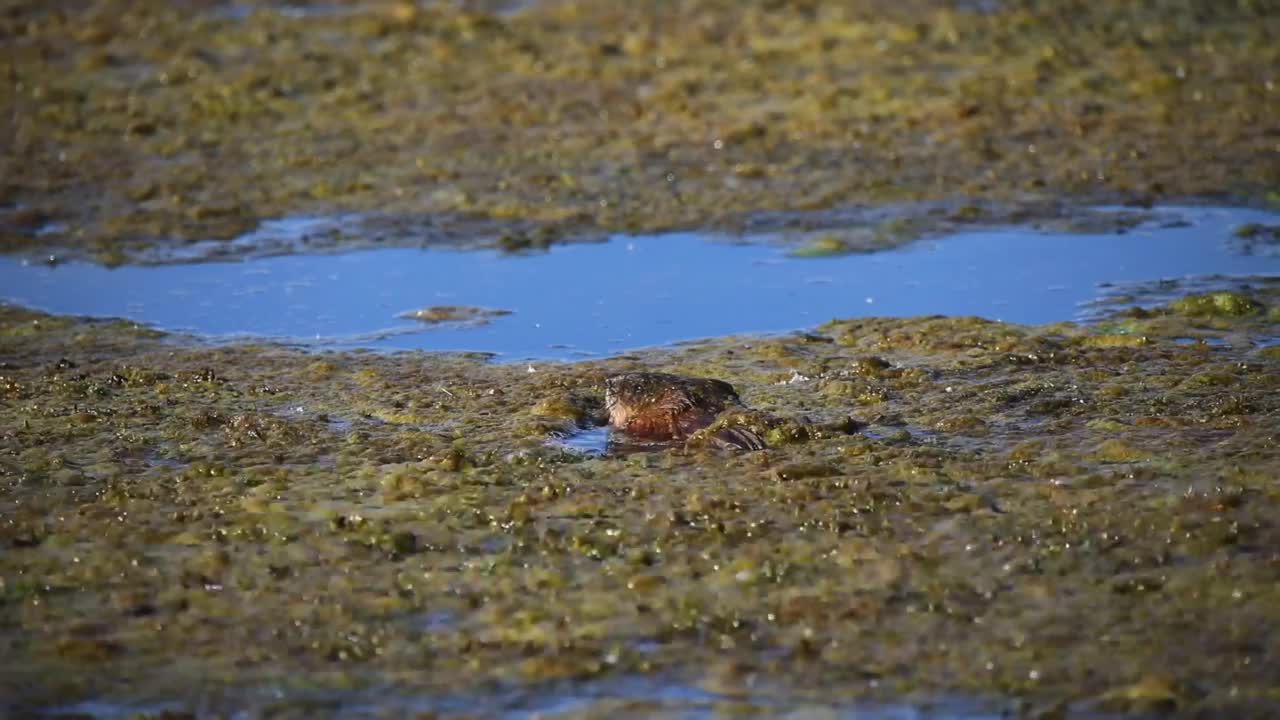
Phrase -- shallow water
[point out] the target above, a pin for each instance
(618, 697)
(583, 300)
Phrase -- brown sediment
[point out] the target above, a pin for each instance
(661, 406)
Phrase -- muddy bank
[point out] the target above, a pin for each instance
(132, 125)
(1055, 516)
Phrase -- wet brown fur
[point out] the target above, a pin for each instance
(661, 406)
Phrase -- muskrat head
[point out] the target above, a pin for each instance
(622, 397)
(646, 394)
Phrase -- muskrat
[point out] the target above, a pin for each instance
(659, 406)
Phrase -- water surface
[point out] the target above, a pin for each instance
(582, 300)
(621, 697)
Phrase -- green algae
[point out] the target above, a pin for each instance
(1217, 304)
(436, 314)
(199, 123)
(1059, 515)
(1198, 318)
(887, 234)
(253, 514)
(823, 246)
(1120, 451)
(1256, 239)
(1250, 231)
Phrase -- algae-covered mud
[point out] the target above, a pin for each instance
(1045, 519)
(130, 125)
(953, 516)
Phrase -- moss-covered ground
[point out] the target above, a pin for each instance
(1065, 518)
(135, 124)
